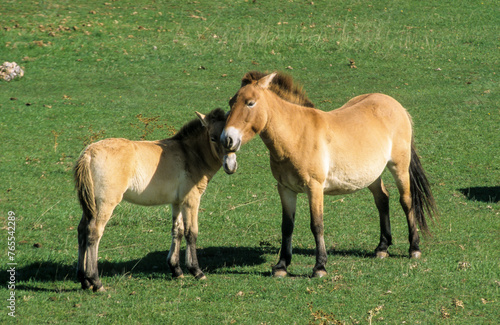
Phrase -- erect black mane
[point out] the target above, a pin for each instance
(195, 127)
(282, 85)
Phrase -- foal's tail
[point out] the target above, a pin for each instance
(422, 199)
(84, 185)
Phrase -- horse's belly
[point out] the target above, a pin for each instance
(344, 183)
(335, 186)
(149, 197)
(151, 191)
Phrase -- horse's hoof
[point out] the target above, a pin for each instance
(381, 254)
(319, 273)
(279, 273)
(179, 276)
(100, 289)
(200, 276)
(416, 254)
(86, 285)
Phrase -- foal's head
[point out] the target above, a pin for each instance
(249, 107)
(214, 123)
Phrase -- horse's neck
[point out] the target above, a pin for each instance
(199, 153)
(284, 127)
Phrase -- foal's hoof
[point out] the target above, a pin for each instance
(319, 273)
(416, 254)
(381, 254)
(279, 273)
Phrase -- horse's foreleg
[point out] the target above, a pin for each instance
(288, 204)
(381, 197)
(190, 216)
(177, 234)
(315, 195)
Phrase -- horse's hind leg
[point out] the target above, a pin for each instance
(402, 176)
(177, 234)
(288, 204)
(82, 251)
(381, 197)
(90, 232)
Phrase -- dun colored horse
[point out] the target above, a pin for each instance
(173, 171)
(336, 152)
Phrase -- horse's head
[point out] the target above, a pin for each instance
(248, 114)
(214, 123)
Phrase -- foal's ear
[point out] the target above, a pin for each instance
(266, 81)
(202, 118)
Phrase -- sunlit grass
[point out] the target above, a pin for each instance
(93, 67)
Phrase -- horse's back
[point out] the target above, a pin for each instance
(141, 172)
(365, 134)
(372, 115)
(374, 105)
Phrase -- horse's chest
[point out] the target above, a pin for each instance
(289, 175)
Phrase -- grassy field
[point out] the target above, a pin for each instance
(140, 69)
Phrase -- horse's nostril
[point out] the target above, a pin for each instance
(227, 142)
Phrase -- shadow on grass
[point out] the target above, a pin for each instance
(483, 194)
(36, 276)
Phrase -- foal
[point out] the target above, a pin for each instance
(173, 171)
(332, 153)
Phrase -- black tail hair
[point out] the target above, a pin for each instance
(422, 199)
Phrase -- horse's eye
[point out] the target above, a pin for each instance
(251, 104)
(213, 138)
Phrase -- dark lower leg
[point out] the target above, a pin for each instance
(288, 205)
(177, 234)
(286, 246)
(413, 236)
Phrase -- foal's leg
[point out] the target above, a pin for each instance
(288, 204)
(315, 196)
(82, 251)
(382, 202)
(190, 215)
(402, 176)
(92, 230)
(177, 234)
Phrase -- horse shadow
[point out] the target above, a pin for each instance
(482, 193)
(154, 265)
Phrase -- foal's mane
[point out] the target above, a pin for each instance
(282, 85)
(195, 127)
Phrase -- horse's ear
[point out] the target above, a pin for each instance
(266, 81)
(202, 118)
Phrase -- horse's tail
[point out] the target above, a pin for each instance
(84, 185)
(422, 199)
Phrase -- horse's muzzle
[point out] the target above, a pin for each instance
(230, 165)
(231, 139)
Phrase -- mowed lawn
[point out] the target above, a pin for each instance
(140, 69)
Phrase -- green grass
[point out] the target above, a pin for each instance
(91, 67)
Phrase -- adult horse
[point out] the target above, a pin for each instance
(172, 171)
(336, 152)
